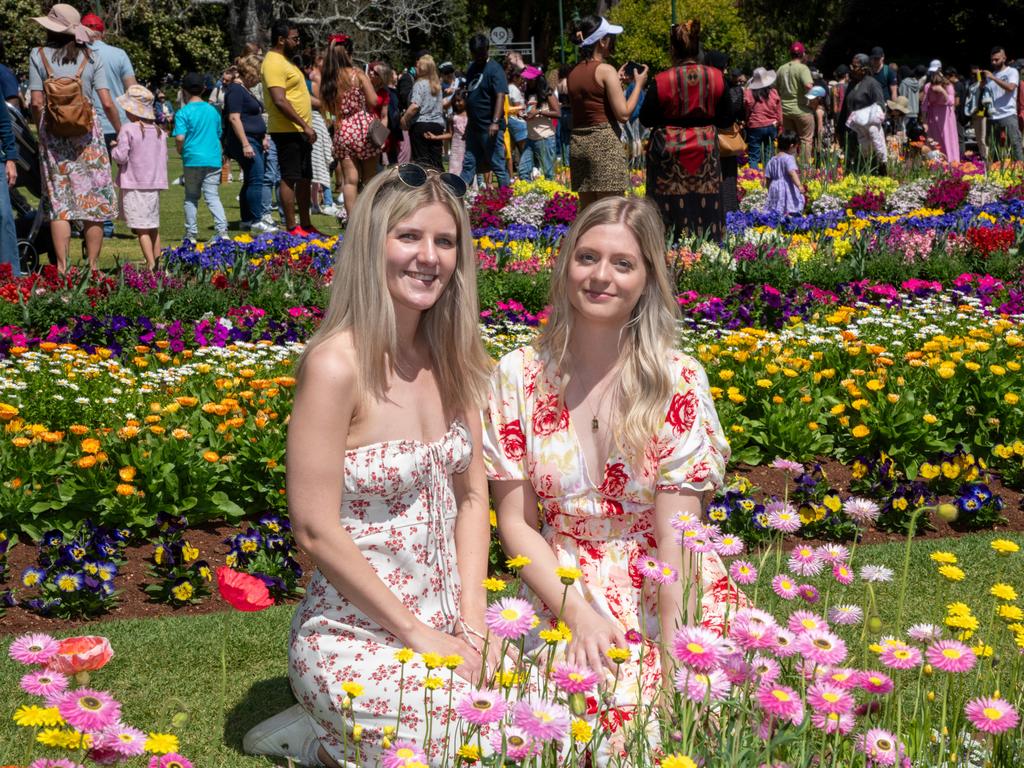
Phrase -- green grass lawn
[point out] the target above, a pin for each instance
(124, 247)
(170, 665)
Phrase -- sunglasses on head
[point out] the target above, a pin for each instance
(413, 175)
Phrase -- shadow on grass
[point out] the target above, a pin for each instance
(263, 699)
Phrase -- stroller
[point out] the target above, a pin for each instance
(31, 222)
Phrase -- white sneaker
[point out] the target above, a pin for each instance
(262, 228)
(286, 734)
(268, 219)
(330, 210)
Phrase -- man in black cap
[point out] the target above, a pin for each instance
(883, 74)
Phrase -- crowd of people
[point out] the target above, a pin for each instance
(309, 127)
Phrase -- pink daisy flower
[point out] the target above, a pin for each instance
(793, 468)
(701, 686)
(170, 760)
(699, 543)
(574, 679)
(765, 668)
(728, 545)
(822, 647)
(880, 746)
(785, 643)
(805, 561)
(753, 636)
(950, 656)
(481, 707)
(61, 763)
(781, 702)
(991, 715)
(667, 575)
(510, 618)
(861, 511)
(45, 683)
(924, 633)
(683, 520)
(402, 753)
(89, 710)
(805, 621)
(875, 682)
(122, 740)
(35, 648)
(784, 586)
(697, 647)
(541, 720)
(742, 572)
(842, 677)
(833, 553)
(782, 517)
(514, 741)
(841, 572)
(649, 567)
(824, 696)
(900, 657)
(846, 614)
(633, 637)
(736, 669)
(808, 593)
(832, 722)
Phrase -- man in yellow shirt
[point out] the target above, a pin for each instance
(289, 123)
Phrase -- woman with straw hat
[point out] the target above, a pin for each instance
(76, 169)
(763, 109)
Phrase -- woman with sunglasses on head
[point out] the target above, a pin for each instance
(613, 433)
(386, 486)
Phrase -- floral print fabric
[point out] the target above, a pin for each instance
(76, 172)
(352, 126)
(399, 507)
(605, 526)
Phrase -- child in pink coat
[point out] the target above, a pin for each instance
(141, 153)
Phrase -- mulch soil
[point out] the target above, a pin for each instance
(133, 602)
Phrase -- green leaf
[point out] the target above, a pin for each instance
(231, 510)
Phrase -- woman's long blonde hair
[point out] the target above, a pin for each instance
(426, 69)
(360, 301)
(645, 381)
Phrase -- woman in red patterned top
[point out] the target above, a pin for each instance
(612, 433)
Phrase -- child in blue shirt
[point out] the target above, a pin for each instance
(197, 133)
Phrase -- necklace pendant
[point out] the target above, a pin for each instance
(593, 424)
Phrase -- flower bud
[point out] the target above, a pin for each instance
(928, 670)
(578, 704)
(875, 624)
(947, 512)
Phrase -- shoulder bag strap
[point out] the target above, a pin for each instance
(46, 64)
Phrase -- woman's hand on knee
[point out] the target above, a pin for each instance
(428, 640)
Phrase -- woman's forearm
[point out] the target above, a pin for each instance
(235, 119)
(472, 542)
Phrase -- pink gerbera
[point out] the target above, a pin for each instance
(728, 545)
(785, 643)
(875, 682)
(45, 683)
(841, 572)
(574, 679)
(89, 710)
(784, 586)
(950, 656)
(765, 668)
(822, 646)
(832, 722)
(481, 707)
(35, 648)
(846, 678)
(900, 657)
(743, 572)
(880, 746)
(824, 696)
(805, 561)
(701, 686)
(808, 593)
(805, 621)
(401, 753)
(170, 760)
(510, 617)
(781, 702)
(516, 743)
(649, 567)
(541, 720)
(697, 647)
(991, 715)
(753, 629)
(61, 763)
(666, 575)
(782, 517)
(122, 740)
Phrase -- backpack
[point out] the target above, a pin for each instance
(68, 111)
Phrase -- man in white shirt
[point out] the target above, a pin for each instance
(1002, 83)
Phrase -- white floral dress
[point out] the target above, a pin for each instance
(606, 528)
(399, 506)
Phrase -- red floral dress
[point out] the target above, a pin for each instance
(352, 125)
(606, 527)
(399, 507)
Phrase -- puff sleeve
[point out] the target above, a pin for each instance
(505, 422)
(694, 448)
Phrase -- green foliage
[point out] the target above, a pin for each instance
(647, 24)
(20, 32)
(707, 276)
(529, 290)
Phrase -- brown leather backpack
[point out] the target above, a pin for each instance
(68, 112)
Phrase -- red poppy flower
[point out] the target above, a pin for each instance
(242, 591)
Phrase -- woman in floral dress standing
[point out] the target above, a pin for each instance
(614, 434)
(386, 486)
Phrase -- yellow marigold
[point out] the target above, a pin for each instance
(1004, 546)
(469, 753)
(568, 575)
(677, 761)
(180, 434)
(1010, 613)
(860, 431)
(78, 429)
(186, 402)
(1011, 398)
(127, 474)
(86, 462)
(352, 688)
(945, 558)
(952, 572)
(51, 437)
(453, 661)
(581, 730)
(492, 584)
(21, 442)
(618, 655)
(34, 716)
(404, 655)
(125, 489)
(1003, 591)
(211, 456)
(432, 660)
(837, 410)
(127, 433)
(517, 562)
(929, 419)
(433, 682)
